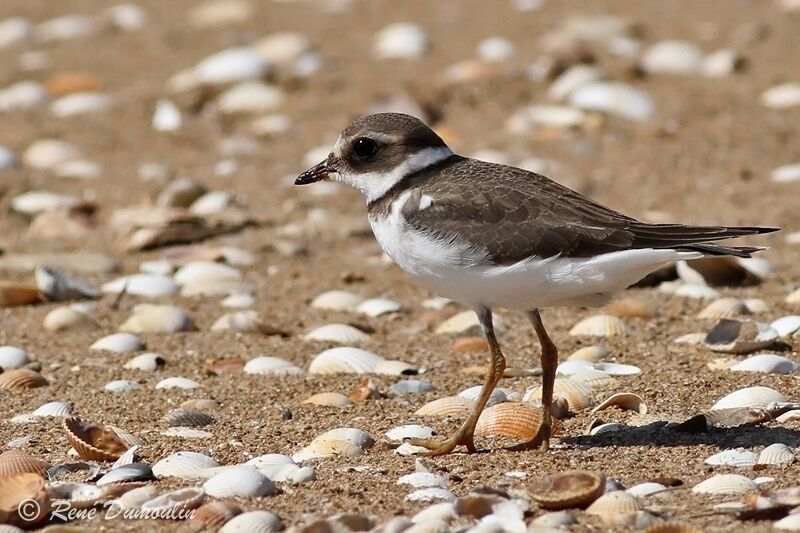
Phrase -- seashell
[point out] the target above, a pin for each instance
(204, 271)
(272, 464)
(473, 393)
(673, 57)
(127, 458)
(394, 368)
(183, 465)
(756, 305)
(271, 365)
(148, 362)
(437, 303)
(599, 326)
(738, 457)
(725, 484)
(349, 442)
(646, 489)
(337, 301)
(629, 308)
(341, 333)
(62, 318)
(791, 522)
(134, 498)
(785, 326)
(213, 515)
(789, 416)
(230, 66)
(598, 428)
(614, 506)
(724, 308)
(149, 285)
(13, 294)
(96, 442)
(626, 401)
(244, 322)
(410, 386)
(767, 363)
(12, 357)
(617, 369)
(421, 480)
(758, 397)
(175, 501)
(782, 96)
(250, 97)
(120, 385)
(21, 379)
(344, 360)
(570, 489)
(15, 492)
(217, 287)
(118, 343)
(578, 394)
(149, 318)
(187, 418)
(80, 103)
(613, 98)
(512, 420)
(239, 300)
(431, 494)
(571, 79)
(239, 482)
(449, 406)
(53, 409)
(186, 433)
(253, 522)
(467, 323)
(376, 307)
(721, 63)
(84, 470)
(589, 353)
(166, 117)
(593, 378)
(57, 286)
(13, 462)
(211, 203)
(79, 495)
(734, 336)
(47, 153)
(329, 399)
(776, 454)
(696, 291)
(402, 40)
(793, 297)
(691, 338)
(495, 49)
(201, 404)
(410, 431)
(177, 383)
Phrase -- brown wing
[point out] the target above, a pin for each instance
(516, 214)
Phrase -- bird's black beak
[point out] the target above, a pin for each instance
(315, 173)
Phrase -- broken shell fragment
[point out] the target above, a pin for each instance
(722, 484)
(512, 420)
(175, 501)
(734, 336)
(97, 442)
(627, 401)
(599, 326)
(570, 489)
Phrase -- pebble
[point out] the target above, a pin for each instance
(166, 117)
(614, 98)
(431, 494)
(402, 40)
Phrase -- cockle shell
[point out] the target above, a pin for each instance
(150, 318)
(626, 401)
(62, 318)
(21, 379)
(758, 397)
(337, 301)
(776, 454)
(14, 462)
(724, 308)
(241, 481)
(96, 442)
(126, 474)
(578, 394)
(148, 362)
(349, 442)
(184, 465)
(16, 491)
(176, 501)
(599, 326)
(344, 360)
(253, 522)
(725, 484)
(340, 333)
(213, 515)
(329, 399)
(570, 489)
(738, 457)
(593, 378)
(182, 417)
(271, 365)
(53, 409)
(204, 271)
(376, 307)
(448, 406)
(512, 420)
(786, 325)
(119, 343)
(244, 322)
(390, 367)
(615, 507)
(177, 383)
(767, 363)
(473, 393)
(592, 354)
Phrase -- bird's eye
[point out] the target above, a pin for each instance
(364, 147)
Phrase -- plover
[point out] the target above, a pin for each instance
(490, 235)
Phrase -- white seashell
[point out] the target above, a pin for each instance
(572, 79)
(615, 99)
(14, 30)
(406, 449)
(623, 400)
(80, 103)
(282, 48)
(119, 343)
(739, 457)
(410, 431)
(126, 473)
(151, 285)
(570, 367)
(720, 63)
(340, 333)
(166, 117)
(643, 490)
(724, 308)
(467, 322)
(410, 386)
(592, 354)
(767, 363)
(250, 97)
(725, 484)
(177, 383)
(63, 28)
(376, 307)
(176, 500)
(253, 522)
(47, 153)
(149, 318)
(243, 321)
(437, 303)
(431, 494)
(78, 169)
(472, 393)
(58, 409)
(495, 49)
(755, 397)
(599, 326)
(270, 462)
(673, 57)
(128, 17)
(239, 300)
(421, 480)
(776, 454)
(348, 442)
(578, 394)
(447, 406)
(184, 465)
(271, 365)
(691, 338)
(402, 40)
(239, 482)
(22, 95)
(789, 416)
(529, 118)
(735, 336)
(786, 325)
(394, 368)
(148, 362)
(35, 202)
(344, 360)
(204, 271)
(12, 357)
(593, 378)
(230, 66)
(788, 523)
(211, 202)
(793, 297)
(618, 369)
(696, 291)
(756, 305)
(120, 385)
(786, 173)
(337, 301)
(133, 499)
(781, 96)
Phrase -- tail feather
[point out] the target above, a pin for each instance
(713, 249)
(696, 238)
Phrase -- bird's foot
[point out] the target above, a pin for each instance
(539, 442)
(443, 447)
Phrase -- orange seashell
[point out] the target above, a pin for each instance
(672, 527)
(629, 308)
(573, 488)
(97, 442)
(23, 500)
(627, 401)
(449, 406)
(218, 367)
(72, 82)
(13, 294)
(367, 389)
(213, 515)
(14, 462)
(507, 419)
(21, 379)
(471, 344)
(329, 399)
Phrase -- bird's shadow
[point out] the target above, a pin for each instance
(663, 433)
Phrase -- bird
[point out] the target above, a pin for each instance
(495, 236)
